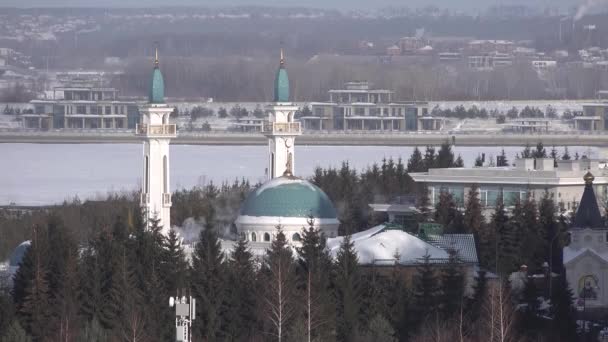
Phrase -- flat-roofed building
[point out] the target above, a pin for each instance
(564, 183)
(82, 108)
(594, 118)
(527, 125)
(361, 108)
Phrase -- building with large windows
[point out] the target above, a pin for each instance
(594, 118)
(82, 108)
(564, 183)
(358, 107)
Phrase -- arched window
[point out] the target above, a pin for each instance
(296, 237)
(266, 237)
(253, 237)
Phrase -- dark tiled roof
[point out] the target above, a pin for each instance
(463, 244)
(588, 213)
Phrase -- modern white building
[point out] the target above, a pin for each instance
(564, 183)
(82, 108)
(358, 107)
(156, 133)
(284, 200)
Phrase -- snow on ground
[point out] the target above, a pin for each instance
(38, 174)
(504, 106)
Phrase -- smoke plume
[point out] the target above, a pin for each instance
(587, 6)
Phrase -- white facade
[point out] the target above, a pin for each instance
(156, 133)
(281, 130)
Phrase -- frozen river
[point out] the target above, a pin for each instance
(37, 174)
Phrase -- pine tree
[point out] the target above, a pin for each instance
(452, 286)
(379, 329)
(445, 209)
(93, 332)
(347, 285)
(564, 314)
(398, 302)
(66, 301)
(474, 222)
(279, 295)
(480, 293)
(14, 333)
(549, 229)
(527, 152)
(423, 204)
(315, 268)
(63, 279)
(554, 155)
(416, 163)
(426, 290)
(506, 245)
(445, 156)
(91, 296)
(241, 314)
(208, 276)
(34, 310)
(459, 162)
(530, 320)
(532, 246)
(174, 265)
(430, 159)
(478, 161)
(566, 155)
(502, 159)
(540, 151)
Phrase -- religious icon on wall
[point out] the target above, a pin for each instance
(588, 287)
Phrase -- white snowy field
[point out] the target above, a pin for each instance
(39, 174)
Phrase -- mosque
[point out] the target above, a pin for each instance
(283, 200)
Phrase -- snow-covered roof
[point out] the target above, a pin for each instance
(378, 245)
(570, 254)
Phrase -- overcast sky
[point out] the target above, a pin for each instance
(464, 4)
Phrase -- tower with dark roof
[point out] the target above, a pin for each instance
(586, 257)
(588, 213)
(156, 133)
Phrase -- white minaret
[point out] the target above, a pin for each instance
(156, 131)
(281, 128)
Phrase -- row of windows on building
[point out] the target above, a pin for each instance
(266, 237)
(372, 111)
(488, 196)
(83, 109)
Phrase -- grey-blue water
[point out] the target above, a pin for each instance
(38, 174)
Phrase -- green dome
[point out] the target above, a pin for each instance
(288, 197)
(157, 87)
(281, 86)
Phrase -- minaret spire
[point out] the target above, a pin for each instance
(282, 61)
(156, 56)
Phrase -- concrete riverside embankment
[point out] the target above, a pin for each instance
(333, 138)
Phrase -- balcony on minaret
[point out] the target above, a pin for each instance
(156, 131)
(282, 128)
